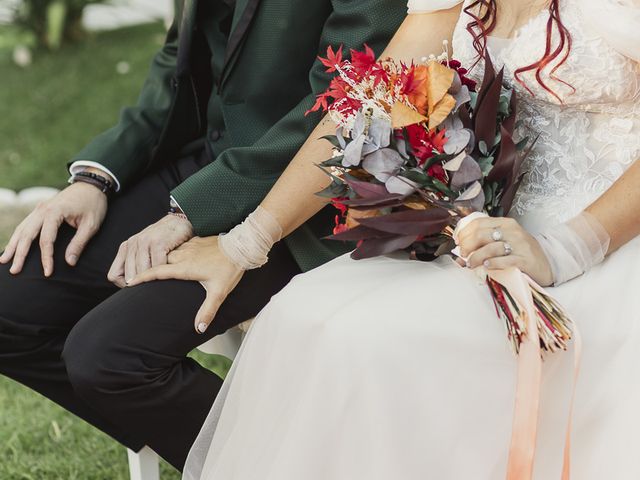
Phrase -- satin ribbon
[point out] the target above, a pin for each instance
(527, 399)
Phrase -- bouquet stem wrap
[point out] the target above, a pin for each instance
(535, 324)
(527, 397)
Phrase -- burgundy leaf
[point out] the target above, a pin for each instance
(381, 246)
(410, 222)
(486, 113)
(503, 168)
(506, 201)
(359, 233)
(488, 78)
(382, 201)
(366, 189)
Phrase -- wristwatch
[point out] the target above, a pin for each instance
(174, 209)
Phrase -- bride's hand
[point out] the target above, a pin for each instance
(200, 260)
(499, 243)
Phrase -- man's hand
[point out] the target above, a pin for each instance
(149, 248)
(80, 205)
(199, 260)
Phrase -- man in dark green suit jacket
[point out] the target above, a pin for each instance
(218, 120)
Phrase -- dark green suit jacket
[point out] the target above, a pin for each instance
(242, 78)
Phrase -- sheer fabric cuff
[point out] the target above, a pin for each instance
(248, 244)
(574, 247)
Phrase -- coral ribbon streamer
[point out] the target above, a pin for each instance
(527, 399)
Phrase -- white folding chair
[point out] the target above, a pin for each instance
(145, 465)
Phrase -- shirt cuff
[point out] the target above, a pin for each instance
(82, 164)
(173, 199)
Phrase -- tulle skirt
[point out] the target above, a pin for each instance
(395, 369)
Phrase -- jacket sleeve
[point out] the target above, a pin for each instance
(125, 149)
(223, 193)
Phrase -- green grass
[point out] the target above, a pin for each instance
(51, 109)
(41, 441)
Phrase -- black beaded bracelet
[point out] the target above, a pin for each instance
(102, 183)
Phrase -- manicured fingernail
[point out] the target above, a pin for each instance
(202, 327)
(486, 263)
(72, 259)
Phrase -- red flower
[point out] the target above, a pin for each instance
(333, 59)
(363, 61)
(337, 203)
(436, 171)
(424, 143)
(439, 140)
(462, 72)
(340, 227)
(321, 104)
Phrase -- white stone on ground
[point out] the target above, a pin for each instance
(8, 198)
(30, 197)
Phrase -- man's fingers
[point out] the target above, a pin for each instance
(143, 259)
(22, 250)
(130, 261)
(116, 272)
(10, 249)
(158, 257)
(86, 230)
(48, 237)
(161, 272)
(207, 312)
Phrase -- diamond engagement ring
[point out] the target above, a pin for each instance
(508, 250)
(496, 235)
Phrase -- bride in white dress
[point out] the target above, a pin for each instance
(395, 369)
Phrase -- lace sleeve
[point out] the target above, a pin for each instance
(428, 6)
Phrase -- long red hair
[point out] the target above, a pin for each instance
(483, 23)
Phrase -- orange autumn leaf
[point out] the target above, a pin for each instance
(418, 95)
(441, 111)
(440, 79)
(403, 116)
(416, 205)
(354, 215)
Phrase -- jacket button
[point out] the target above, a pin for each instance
(215, 135)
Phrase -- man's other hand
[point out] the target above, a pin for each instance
(80, 205)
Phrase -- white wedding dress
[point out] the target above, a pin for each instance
(388, 368)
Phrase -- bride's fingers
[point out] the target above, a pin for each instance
(481, 230)
(491, 250)
(502, 263)
(208, 311)
(161, 272)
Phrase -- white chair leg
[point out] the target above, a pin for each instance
(226, 344)
(144, 465)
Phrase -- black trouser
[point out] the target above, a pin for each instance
(117, 358)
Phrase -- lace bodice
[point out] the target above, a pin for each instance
(585, 143)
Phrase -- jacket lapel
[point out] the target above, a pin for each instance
(186, 36)
(239, 29)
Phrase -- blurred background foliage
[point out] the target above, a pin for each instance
(52, 22)
(60, 101)
(61, 84)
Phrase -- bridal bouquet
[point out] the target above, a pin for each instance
(418, 148)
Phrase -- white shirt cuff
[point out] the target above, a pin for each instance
(82, 164)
